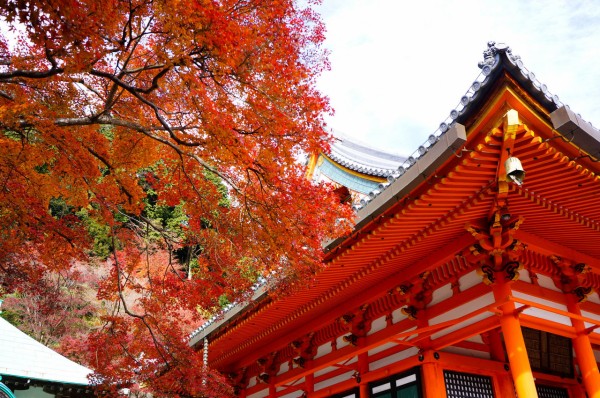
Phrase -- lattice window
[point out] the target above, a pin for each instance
(549, 353)
(551, 392)
(467, 385)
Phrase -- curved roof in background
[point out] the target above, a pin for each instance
(23, 356)
(364, 159)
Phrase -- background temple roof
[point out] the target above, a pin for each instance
(22, 356)
(364, 158)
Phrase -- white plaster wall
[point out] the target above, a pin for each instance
(524, 276)
(341, 342)
(543, 314)
(334, 380)
(377, 325)
(394, 358)
(283, 368)
(382, 347)
(469, 280)
(475, 339)
(441, 294)
(325, 370)
(591, 316)
(594, 298)
(462, 310)
(547, 282)
(323, 349)
(397, 315)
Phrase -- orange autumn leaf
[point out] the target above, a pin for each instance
(206, 107)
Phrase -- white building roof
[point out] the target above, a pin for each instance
(364, 158)
(22, 356)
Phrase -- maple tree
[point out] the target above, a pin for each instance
(59, 306)
(115, 113)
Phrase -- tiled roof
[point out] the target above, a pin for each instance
(22, 356)
(363, 158)
(497, 57)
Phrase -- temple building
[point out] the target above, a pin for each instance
(473, 269)
(29, 369)
(356, 169)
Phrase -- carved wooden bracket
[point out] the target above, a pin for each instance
(304, 350)
(239, 380)
(357, 323)
(417, 294)
(496, 251)
(267, 367)
(570, 277)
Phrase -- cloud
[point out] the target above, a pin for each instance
(398, 68)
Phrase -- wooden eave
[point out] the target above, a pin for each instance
(424, 230)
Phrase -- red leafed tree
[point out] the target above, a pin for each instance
(109, 107)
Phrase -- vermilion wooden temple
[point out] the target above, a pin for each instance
(473, 273)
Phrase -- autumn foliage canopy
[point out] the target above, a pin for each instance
(167, 136)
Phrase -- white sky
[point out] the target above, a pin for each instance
(399, 67)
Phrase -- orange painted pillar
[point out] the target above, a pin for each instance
(496, 347)
(364, 390)
(513, 339)
(584, 352)
(363, 368)
(433, 378)
(309, 384)
(505, 387)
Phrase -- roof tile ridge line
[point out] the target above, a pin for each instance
(342, 152)
(353, 142)
(260, 283)
(445, 125)
(515, 60)
(356, 165)
(374, 264)
(491, 61)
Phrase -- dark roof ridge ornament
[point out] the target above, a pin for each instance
(491, 56)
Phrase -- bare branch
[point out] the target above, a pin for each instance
(31, 74)
(6, 95)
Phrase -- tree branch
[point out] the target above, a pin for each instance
(31, 74)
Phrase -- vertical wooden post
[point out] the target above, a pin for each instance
(364, 390)
(363, 368)
(433, 379)
(495, 344)
(583, 351)
(513, 339)
(309, 384)
(272, 391)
